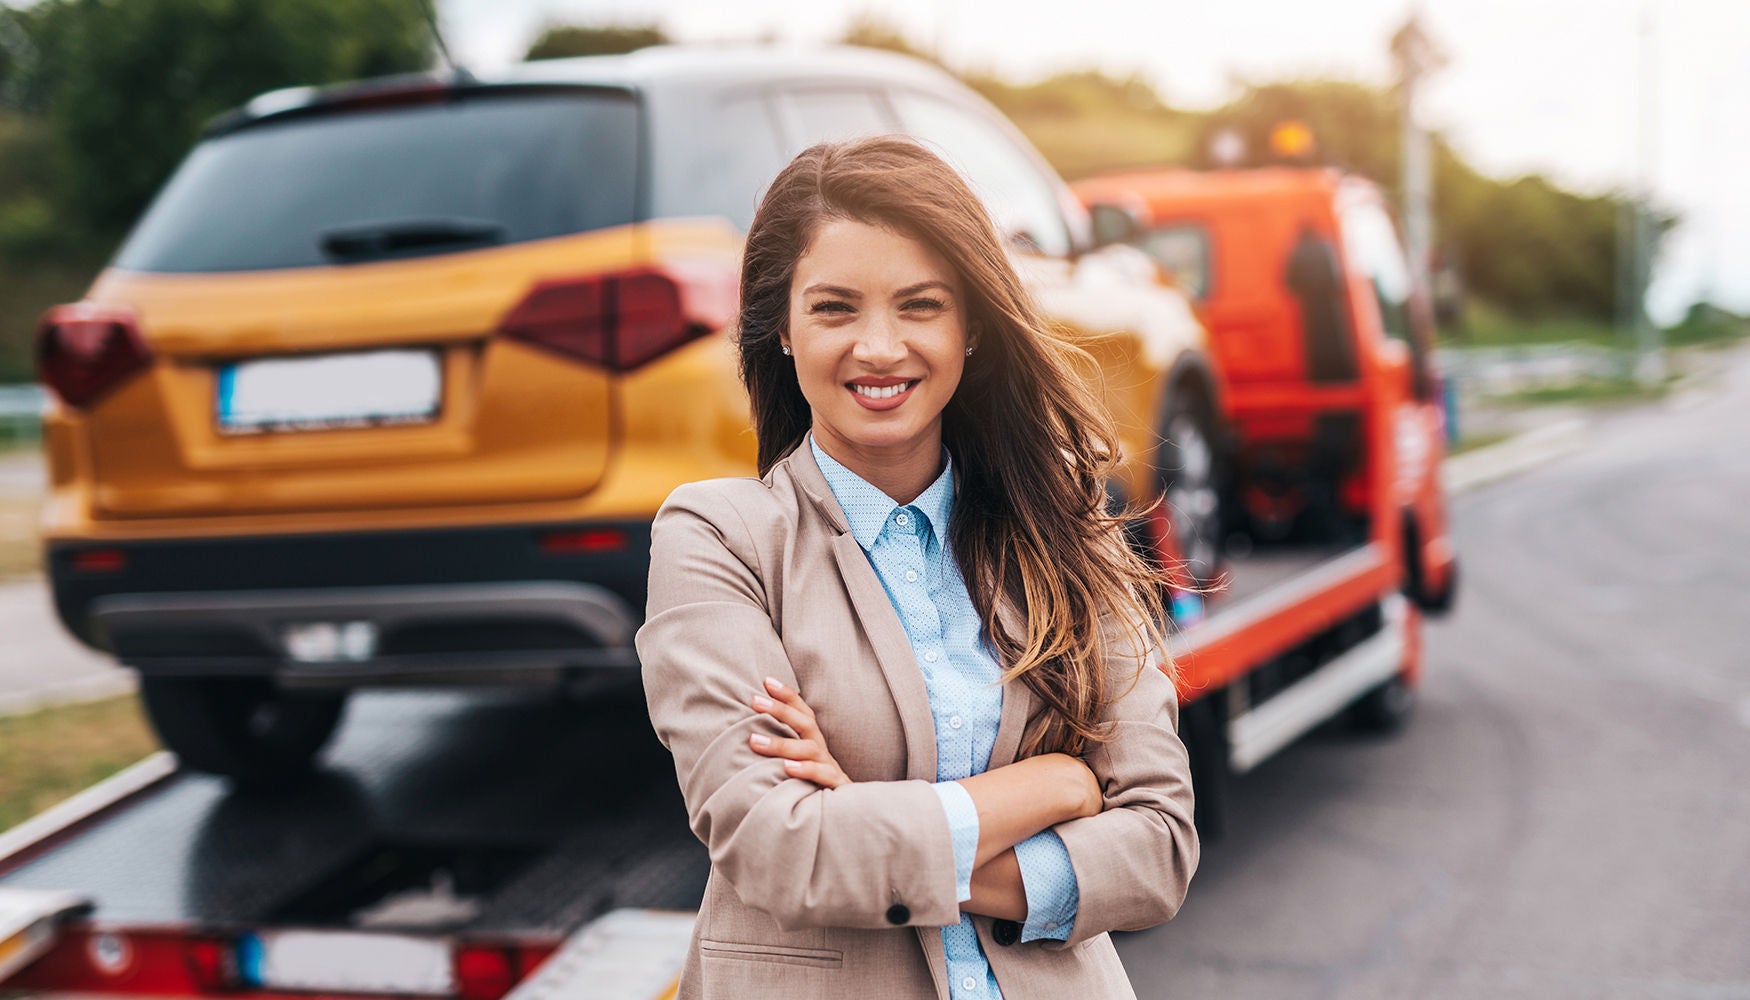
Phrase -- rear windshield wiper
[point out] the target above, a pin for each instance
(408, 237)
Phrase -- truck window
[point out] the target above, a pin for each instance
(517, 166)
(1372, 244)
(1022, 201)
(1183, 250)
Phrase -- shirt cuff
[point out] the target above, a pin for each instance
(963, 825)
(1053, 896)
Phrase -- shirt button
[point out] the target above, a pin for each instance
(1051, 925)
(969, 983)
(930, 656)
(901, 520)
(954, 722)
(911, 576)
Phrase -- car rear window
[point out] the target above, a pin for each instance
(401, 180)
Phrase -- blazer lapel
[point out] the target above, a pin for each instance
(880, 622)
(893, 649)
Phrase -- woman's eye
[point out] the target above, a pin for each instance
(924, 304)
(830, 305)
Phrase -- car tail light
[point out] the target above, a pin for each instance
(83, 351)
(555, 543)
(484, 973)
(623, 320)
(100, 561)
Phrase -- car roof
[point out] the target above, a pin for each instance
(646, 70)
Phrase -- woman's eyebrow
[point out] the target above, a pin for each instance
(920, 286)
(839, 290)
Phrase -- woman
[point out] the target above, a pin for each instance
(910, 676)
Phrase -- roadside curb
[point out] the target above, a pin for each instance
(1462, 473)
(78, 692)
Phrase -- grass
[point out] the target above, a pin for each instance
(48, 755)
(1488, 326)
(20, 551)
(1471, 442)
(1592, 391)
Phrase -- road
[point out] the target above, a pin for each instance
(1568, 815)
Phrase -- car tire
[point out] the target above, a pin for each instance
(1189, 468)
(1384, 710)
(1203, 729)
(242, 728)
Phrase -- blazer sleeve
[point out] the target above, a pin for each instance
(868, 854)
(1133, 862)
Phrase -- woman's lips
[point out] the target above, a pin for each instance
(889, 403)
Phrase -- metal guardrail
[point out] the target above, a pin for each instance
(1496, 371)
(21, 414)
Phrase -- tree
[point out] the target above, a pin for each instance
(127, 85)
(564, 41)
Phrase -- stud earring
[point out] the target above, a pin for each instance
(969, 352)
(786, 350)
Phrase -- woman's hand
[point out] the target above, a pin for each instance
(805, 757)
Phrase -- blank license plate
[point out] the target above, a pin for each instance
(327, 391)
(346, 962)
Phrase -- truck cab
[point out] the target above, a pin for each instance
(1300, 278)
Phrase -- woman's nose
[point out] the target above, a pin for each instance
(879, 343)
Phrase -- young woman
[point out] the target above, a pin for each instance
(911, 676)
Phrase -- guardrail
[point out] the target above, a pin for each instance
(21, 414)
(1499, 371)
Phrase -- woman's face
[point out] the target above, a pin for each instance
(878, 335)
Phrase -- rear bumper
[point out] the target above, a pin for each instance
(453, 606)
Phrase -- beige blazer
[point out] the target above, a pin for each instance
(841, 893)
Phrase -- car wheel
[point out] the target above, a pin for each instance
(1204, 731)
(1385, 709)
(243, 728)
(1190, 481)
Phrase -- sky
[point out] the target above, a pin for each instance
(1547, 86)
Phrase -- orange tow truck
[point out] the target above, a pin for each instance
(1338, 539)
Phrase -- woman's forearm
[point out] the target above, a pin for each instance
(998, 890)
(1018, 800)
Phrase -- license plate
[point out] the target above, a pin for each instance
(345, 962)
(330, 391)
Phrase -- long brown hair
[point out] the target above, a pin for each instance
(1031, 439)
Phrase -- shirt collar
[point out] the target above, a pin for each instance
(867, 508)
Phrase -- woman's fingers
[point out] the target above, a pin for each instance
(788, 696)
(824, 775)
(796, 715)
(778, 746)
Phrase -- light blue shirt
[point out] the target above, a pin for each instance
(909, 550)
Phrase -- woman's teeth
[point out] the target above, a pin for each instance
(882, 393)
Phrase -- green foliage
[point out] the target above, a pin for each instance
(127, 85)
(871, 31)
(565, 41)
(1706, 323)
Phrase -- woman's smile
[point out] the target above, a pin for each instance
(881, 394)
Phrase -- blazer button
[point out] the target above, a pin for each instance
(1005, 932)
(898, 914)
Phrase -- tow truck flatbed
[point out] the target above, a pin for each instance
(512, 820)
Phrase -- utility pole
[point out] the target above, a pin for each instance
(1649, 339)
(1416, 57)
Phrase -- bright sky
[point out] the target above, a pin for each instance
(1531, 85)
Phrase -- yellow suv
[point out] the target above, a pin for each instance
(388, 382)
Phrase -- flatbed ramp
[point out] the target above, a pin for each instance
(466, 816)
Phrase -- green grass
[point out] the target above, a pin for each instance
(48, 755)
(1471, 442)
(1488, 326)
(20, 551)
(1594, 391)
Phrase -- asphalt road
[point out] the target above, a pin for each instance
(1568, 814)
